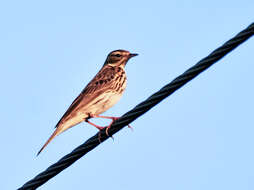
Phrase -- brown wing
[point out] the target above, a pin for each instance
(103, 80)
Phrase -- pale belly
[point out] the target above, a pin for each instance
(103, 102)
(97, 106)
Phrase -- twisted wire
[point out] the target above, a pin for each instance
(140, 109)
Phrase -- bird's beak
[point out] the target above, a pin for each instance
(132, 55)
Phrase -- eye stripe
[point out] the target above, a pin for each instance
(116, 55)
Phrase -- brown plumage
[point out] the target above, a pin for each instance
(101, 93)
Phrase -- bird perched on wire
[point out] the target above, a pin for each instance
(101, 93)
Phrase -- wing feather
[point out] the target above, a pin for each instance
(102, 82)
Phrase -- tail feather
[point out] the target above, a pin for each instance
(59, 129)
(56, 132)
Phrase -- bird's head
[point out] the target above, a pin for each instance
(119, 58)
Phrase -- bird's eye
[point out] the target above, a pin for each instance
(117, 55)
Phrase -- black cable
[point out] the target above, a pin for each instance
(140, 109)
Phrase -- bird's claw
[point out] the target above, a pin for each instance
(130, 127)
(108, 133)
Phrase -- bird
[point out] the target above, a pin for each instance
(100, 94)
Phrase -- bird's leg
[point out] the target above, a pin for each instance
(108, 117)
(97, 126)
(113, 119)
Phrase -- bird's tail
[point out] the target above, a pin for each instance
(56, 132)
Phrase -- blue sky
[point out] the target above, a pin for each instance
(201, 137)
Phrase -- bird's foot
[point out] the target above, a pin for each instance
(109, 117)
(113, 120)
(100, 128)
